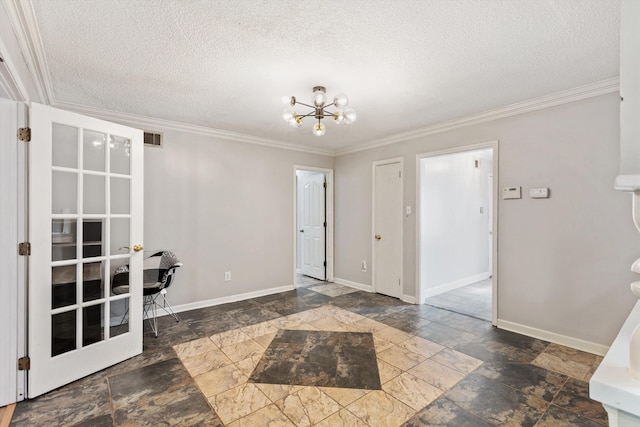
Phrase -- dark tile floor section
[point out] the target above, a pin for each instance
(154, 389)
(317, 358)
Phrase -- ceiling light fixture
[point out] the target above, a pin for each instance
(340, 116)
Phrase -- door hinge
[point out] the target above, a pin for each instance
(24, 363)
(24, 134)
(24, 248)
(325, 263)
(324, 184)
(400, 174)
(325, 224)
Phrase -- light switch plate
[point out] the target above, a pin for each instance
(511, 193)
(539, 193)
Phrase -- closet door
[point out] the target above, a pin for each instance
(85, 221)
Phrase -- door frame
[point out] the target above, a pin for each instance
(373, 223)
(328, 173)
(494, 247)
(13, 305)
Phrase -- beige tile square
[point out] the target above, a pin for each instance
(344, 396)
(308, 316)
(346, 316)
(456, 360)
(308, 406)
(571, 354)
(277, 392)
(387, 372)
(249, 364)
(401, 358)
(229, 338)
(392, 335)
(206, 362)
(436, 374)
(269, 416)
(243, 350)
(380, 344)
(368, 325)
(567, 367)
(412, 391)
(303, 327)
(342, 418)
(329, 324)
(237, 402)
(284, 322)
(220, 380)
(421, 346)
(380, 409)
(259, 330)
(194, 348)
(265, 340)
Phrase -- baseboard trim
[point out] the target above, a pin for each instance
(409, 299)
(228, 299)
(455, 285)
(355, 285)
(578, 344)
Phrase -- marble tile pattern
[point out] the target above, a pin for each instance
(400, 365)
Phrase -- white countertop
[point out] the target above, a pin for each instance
(611, 384)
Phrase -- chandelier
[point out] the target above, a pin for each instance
(340, 115)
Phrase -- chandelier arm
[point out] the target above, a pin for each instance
(313, 113)
(306, 105)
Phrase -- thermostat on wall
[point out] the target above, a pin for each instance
(511, 193)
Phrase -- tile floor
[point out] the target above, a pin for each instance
(435, 368)
(473, 300)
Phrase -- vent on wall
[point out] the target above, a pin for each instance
(153, 139)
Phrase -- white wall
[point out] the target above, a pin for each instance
(563, 262)
(222, 206)
(454, 219)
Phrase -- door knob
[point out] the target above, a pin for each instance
(378, 237)
(302, 231)
(137, 248)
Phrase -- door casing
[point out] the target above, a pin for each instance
(494, 246)
(329, 218)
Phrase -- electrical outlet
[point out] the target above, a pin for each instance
(227, 276)
(364, 266)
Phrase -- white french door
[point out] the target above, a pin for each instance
(387, 228)
(313, 225)
(85, 211)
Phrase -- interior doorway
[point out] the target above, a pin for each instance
(456, 193)
(313, 221)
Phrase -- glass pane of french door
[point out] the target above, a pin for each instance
(81, 223)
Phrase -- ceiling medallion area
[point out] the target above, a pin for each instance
(341, 114)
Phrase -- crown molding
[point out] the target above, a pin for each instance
(150, 123)
(25, 28)
(564, 97)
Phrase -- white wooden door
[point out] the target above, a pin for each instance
(490, 219)
(387, 229)
(313, 225)
(85, 211)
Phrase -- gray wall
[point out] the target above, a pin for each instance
(563, 262)
(222, 206)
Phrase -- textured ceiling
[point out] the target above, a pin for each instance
(404, 64)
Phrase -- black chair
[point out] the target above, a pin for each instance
(158, 274)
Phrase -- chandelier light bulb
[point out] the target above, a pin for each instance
(338, 117)
(288, 114)
(319, 96)
(349, 116)
(319, 129)
(340, 100)
(295, 121)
